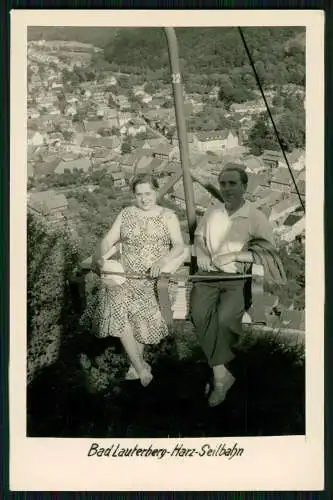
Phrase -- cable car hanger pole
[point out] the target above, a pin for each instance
(181, 129)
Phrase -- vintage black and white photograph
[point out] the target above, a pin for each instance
(166, 233)
(148, 355)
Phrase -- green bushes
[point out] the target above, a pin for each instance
(52, 256)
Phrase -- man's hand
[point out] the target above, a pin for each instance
(222, 260)
(204, 262)
(156, 268)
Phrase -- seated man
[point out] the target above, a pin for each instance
(229, 238)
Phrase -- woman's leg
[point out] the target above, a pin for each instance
(135, 354)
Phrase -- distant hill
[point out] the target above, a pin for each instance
(212, 52)
(97, 36)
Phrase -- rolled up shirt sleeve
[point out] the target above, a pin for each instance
(201, 228)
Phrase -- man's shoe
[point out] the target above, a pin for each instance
(220, 391)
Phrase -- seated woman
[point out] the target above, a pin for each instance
(152, 243)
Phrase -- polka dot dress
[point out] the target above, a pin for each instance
(133, 304)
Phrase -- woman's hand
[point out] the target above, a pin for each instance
(222, 260)
(97, 266)
(156, 268)
(204, 262)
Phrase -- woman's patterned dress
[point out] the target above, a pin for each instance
(133, 304)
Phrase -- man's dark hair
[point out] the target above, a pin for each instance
(234, 167)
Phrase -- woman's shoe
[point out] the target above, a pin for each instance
(132, 374)
(220, 391)
(146, 377)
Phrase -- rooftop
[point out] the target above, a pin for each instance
(212, 135)
(282, 176)
(110, 142)
(47, 201)
(292, 219)
(290, 203)
(293, 319)
(79, 163)
(164, 149)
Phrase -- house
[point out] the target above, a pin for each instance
(32, 152)
(262, 192)
(216, 141)
(93, 126)
(248, 107)
(47, 165)
(281, 180)
(202, 197)
(82, 164)
(255, 181)
(45, 99)
(130, 161)
(144, 164)
(146, 98)
(294, 228)
(253, 164)
(214, 93)
(54, 111)
(190, 138)
(111, 115)
(49, 203)
(298, 163)
(30, 169)
(57, 85)
(300, 182)
(157, 166)
(165, 151)
(110, 142)
(271, 159)
(110, 80)
(134, 130)
(71, 110)
(118, 179)
(150, 143)
(68, 156)
(122, 101)
(55, 139)
(35, 138)
(124, 117)
(159, 115)
(138, 90)
(293, 319)
(285, 207)
(33, 113)
(269, 200)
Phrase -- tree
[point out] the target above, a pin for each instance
(294, 265)
(68, 134)
(261, 137)
(126, 146)
(104, 132)
(291, 127)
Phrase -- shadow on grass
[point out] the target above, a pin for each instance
(268, 397)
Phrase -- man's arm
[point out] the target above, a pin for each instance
(204, 259)
(261, 229)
